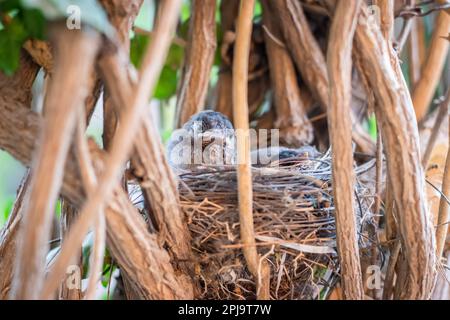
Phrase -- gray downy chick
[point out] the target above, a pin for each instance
(269, 156)
(207, 139)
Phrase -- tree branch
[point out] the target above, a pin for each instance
(432, 68)
(339, 122)
(394, 111)
(295, 127)
(199, 59)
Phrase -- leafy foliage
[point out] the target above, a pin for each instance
(92, 13)
(26, 19)
(167, 85)
(19, 24)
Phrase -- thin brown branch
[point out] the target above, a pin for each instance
(390, 272)
(416, 50)
(339, 121)
(89, 180)
(440, 118)
(121, 14)
(444, 208)
(432, 68)
(387, 18)
(228, 10)
(200, 53)
(9, 240)
(241, 120)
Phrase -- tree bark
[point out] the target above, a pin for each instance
(394, 111)
(434, 64)
(291, 117)
(229, 10)
(339, 122)
(199, 59)
(303, 47)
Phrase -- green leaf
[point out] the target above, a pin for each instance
(257, 13)
(372, 121)
(90, 12)
(167, 84)
(11, 40)
(6, 207)
(58, 208)
(185, 11)
(175, 57)
(137, 49)
(34, 22)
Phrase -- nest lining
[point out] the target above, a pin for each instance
(294, 228)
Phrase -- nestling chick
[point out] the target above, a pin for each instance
(279, 155)
(206, 139)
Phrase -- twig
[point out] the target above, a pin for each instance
(241, 120)
(390, 273)
(303, 47)
(417, 48)
(432, 69)
(406, 29)
(273, 38)
(377, 204)
(89, 180)
(440, 117)
(339, 120)
(444, 207)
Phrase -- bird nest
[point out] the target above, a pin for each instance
(294, 222)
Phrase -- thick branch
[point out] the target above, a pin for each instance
(199, 60)
(394, 111)
(295, 127)
(432, 68)
(339, 122)
(303, 46)
(228, 11)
